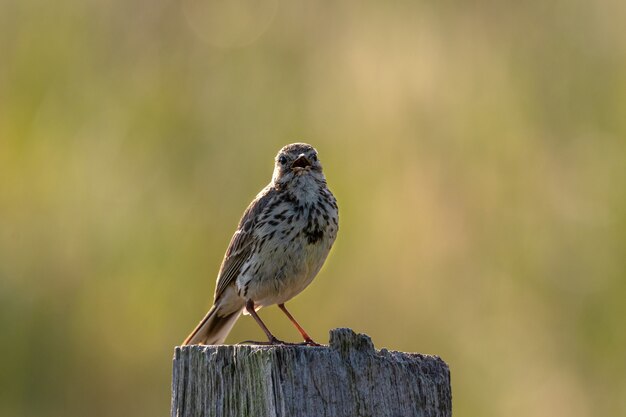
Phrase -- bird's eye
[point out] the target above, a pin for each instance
(282, 159)
(314, 157)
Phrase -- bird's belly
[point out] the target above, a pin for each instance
(281, 270)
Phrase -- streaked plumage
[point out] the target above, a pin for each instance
(281, 243)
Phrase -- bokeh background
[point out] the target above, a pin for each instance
(477, 150)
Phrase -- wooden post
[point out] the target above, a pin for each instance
(348, 378)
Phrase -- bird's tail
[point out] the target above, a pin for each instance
(213, 328)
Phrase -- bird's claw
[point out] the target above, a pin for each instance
(273, 342)
(278, 342)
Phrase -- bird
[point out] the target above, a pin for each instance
(281, 243)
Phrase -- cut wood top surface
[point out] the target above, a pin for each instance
(349, 377)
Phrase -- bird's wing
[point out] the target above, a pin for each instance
(241, 244)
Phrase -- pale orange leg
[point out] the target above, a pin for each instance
(272, 340)
(305, 336)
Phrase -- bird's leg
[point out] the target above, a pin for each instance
(272, 340)
(307, 339)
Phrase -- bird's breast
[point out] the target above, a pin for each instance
(293, 238)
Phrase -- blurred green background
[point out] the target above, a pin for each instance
(477, 150)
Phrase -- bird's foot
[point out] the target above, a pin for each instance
(272, 342)
(310, 342)
(277, 342)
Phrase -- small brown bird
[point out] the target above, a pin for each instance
(281, 243)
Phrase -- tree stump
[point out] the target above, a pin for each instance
(347, 378)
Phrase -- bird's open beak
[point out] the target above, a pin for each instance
(301, 162)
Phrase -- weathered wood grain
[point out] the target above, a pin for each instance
(347, 378)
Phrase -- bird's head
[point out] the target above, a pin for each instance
(294, 161)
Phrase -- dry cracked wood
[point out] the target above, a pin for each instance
(347, 378)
